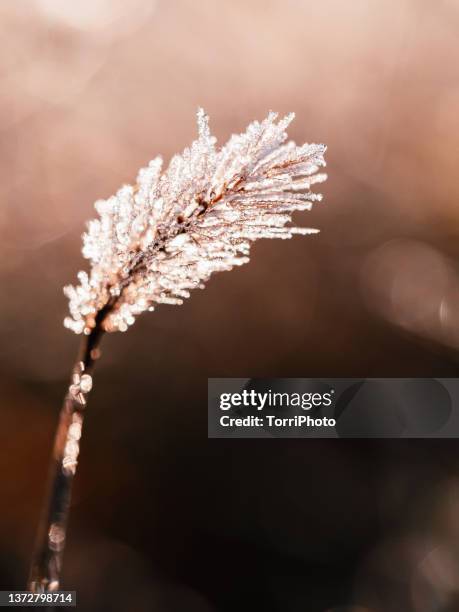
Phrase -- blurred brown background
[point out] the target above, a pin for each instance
(91, 90)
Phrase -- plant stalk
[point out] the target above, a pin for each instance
(52, 532)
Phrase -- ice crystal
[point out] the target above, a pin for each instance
(155, 241)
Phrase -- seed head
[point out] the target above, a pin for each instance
(155, 241)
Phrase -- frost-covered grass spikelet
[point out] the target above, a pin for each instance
(154, 242)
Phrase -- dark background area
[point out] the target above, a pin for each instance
(163, 518)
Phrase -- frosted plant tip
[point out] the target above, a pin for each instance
(152, 243)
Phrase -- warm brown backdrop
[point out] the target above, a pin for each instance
(91, 90)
